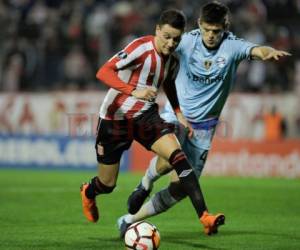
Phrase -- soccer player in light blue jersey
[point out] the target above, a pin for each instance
(209, 57)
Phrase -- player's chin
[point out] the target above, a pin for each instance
(211, 45)
(167, 52)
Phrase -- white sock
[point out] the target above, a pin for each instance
(159, 203)
(151, 174)
(147, 210)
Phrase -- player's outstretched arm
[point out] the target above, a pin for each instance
(267, 53)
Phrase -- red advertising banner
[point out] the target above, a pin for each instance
(240, 158)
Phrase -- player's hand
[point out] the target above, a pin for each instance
(185, 123)
(147, 93)
(276, 54)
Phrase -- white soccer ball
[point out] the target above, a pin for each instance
(142, 235)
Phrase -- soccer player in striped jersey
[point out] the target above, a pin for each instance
(209, 57)
(129, 112)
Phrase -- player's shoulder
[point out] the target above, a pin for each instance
(193, 34)
(189, 38)
(229, 36)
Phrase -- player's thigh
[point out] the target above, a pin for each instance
(155, 134)
(165, 146)
(179, 130)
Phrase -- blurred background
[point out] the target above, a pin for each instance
(50, 51)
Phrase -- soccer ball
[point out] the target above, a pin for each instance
(142, 235)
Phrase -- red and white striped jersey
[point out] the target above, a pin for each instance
(137, 66)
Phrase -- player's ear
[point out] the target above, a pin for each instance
(227, 23)
(157, 28)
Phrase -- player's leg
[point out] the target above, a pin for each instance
(158, 166)
(168, 147)
(159, 136)
(104, 183)
(111, 142)
(168, 197)
(158, 203)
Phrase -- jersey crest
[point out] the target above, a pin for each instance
(207, 64)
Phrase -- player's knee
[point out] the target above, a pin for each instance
(176, 156)
(176, 191)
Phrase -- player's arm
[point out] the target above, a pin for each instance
(108, 73)
(169, 84)
(267, 53)
(171, 93)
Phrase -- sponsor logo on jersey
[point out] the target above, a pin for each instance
(204, 79)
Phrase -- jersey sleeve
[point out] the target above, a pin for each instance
(187, 41)
(182, 44)
(242, 48)
(128, 57)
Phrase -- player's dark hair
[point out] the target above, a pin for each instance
(174, 18)
(215, 13)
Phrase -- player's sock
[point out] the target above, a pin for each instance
(151, 175)
(188, 180)
(162, 201)
(147, 210)
(159, 202)
(97, 187)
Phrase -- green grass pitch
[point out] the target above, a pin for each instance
(42, 210)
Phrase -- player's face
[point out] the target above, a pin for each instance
(167, 39)
(211, 34)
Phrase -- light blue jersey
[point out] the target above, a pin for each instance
(206, 77)
(203, 84)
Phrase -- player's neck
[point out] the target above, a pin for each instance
(215, 47)
(211, 48)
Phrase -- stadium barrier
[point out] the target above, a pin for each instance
(57, 131)
(50, 152)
